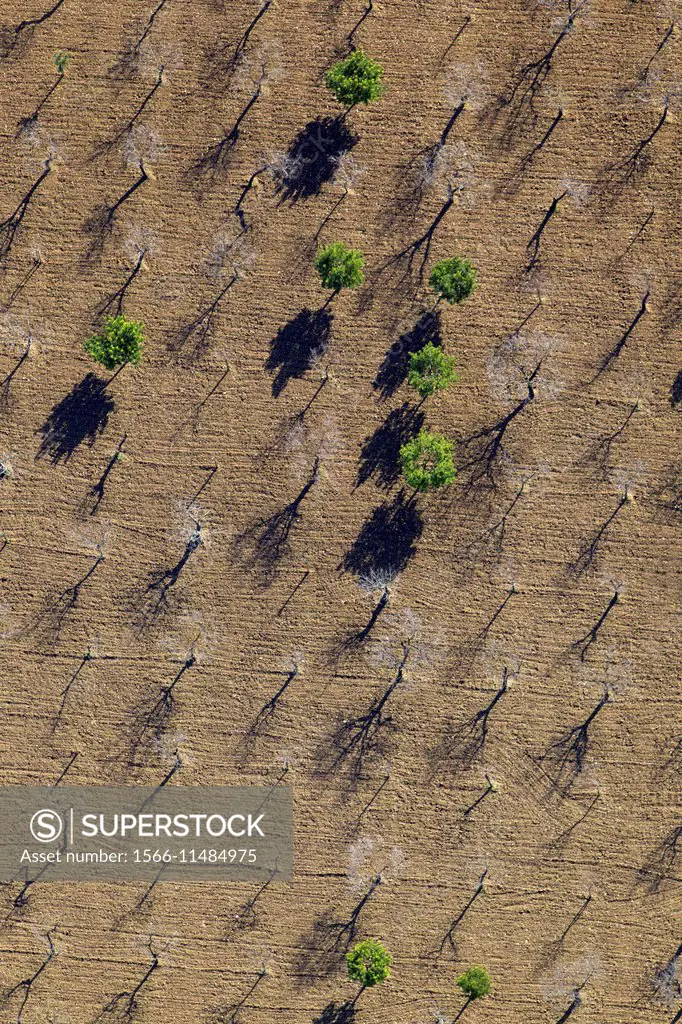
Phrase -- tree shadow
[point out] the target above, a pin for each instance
(298, 345)
(659, 866)
(393, 369)
(381, 451)
(79, 417)
(336, 1013)
(387, 540)
(676, 391)
(313, 158)
(267, 542)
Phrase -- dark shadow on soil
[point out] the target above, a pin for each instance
(387, 540)
(313, 158)
(380, 452)
(298, 345)
(676, 391)
(78, 418)
(395, 365)
(333, 1013)
(265, 544)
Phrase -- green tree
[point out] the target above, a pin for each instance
(368, 962)
(431, 370)
(453, 279)
(355, 79)
(118, 343)
(474, 983)
(427, 461)
(340, 267)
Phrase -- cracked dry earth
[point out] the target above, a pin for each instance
(528, 651)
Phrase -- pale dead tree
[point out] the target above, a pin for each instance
(85, 660)
(590, 548)
(666, 983)
(467, 742)
(127, 1002)
(532, 75)
(154, 721)
(6, 382)
(271, 705)
(25, 986)
(621, 173)
(449, 939)
(137, 45)
(159, 590)
(347, 175)
(565, 759)
(600, 452)
(113, 304)
(484, 450)
(585, 642)
(533, 245)
(360, 738)
(491, 786)
(218, 156)
(10, 226)
(10, 37)
(132, 121)
(376, 581)
(101, 224)
(622, 340)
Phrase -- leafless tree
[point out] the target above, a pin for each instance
(9, 227)
(128, 1000)
(585, 642)
(565, 759)
(26, 984)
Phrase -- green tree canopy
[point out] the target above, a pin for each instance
(475, 982)
(340, 267)
(368, 962)
(453, 279)
(427, 461)
(431, 370)
(355, 79)
(119, 342)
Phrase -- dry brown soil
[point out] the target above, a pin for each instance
(579, 838)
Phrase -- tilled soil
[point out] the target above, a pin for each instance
(282, 449)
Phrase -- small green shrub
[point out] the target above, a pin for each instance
(474, 983)
(453, 279)
(427, 461)
(431, 370)
(340, 267)
(369, 962)
(119, 342)
(61, 61)
(355, 79)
